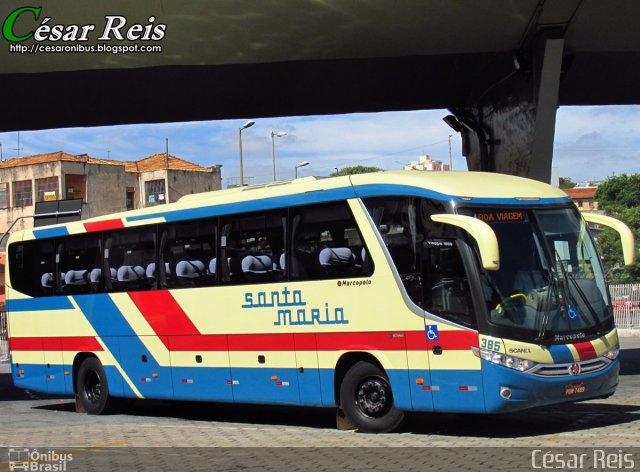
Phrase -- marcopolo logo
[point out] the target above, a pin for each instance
(30, 23)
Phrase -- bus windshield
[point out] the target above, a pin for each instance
(550, 286)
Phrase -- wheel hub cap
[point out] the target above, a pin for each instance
(373, 397)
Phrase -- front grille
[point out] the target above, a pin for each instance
(562, 370)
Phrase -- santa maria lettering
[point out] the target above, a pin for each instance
(290, 309)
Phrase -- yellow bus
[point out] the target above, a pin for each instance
(377, 294)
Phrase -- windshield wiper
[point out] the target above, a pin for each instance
(586, 302)
(547, 305)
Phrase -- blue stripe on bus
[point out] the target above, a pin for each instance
(317, 196)
(561, 354)
(460, 391)
(125, 345)
(50, 232)
(306, 198)
(375, 190)
(321, 196)
(529, 390)
(39, 304)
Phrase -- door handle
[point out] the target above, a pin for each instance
(437, 350)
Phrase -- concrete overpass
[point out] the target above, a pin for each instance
(501, 67)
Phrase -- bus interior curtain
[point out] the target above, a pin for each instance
(224, 255)
(295, 269)
(162, 270)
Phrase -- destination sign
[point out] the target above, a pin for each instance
(501, 216)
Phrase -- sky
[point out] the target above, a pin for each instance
(591, 143)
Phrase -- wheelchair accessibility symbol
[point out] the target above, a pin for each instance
(432, 332)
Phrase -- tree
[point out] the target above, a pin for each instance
(566, 182)
(355, 170)
(619, 192)
(619, 197)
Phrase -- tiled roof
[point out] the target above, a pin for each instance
(159, 162)
(53, 157)
(151, 163)
(581, 193)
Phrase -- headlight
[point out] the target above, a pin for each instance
(613, 353)
(502, 359)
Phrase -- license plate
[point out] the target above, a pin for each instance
(575, 389)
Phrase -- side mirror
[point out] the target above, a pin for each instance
(626, 235)
(481, 232)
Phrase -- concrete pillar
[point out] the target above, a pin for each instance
(509, 126)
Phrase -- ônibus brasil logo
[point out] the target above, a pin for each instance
(25, 23)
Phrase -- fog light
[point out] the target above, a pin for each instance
(505, 392)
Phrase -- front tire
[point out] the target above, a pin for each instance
(367, 400)
(92, 388)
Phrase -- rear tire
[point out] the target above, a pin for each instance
(92, 388)
(367, 400)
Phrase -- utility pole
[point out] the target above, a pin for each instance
(17, 148)
(450, 160)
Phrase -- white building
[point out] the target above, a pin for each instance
(425, 163)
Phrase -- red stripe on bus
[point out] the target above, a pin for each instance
(455, 340)
(383, 341)
(104, 225)
(74, 343)
(585, 350)
(163, 313)
(288, 342)
(452, 340)
(416, 340)
(262, 342)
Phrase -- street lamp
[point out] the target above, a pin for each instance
(248, 124)
(275, 135)
(302, 164)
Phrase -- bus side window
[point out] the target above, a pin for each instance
(131, 252)
(78, 257)
(187, 255)
(326, 243)
(252, 246)
(32, 267)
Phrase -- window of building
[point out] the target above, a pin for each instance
(326, 243)
(253, 246)
(4, 195)
(75, 187)
(47, 189)
(22, 193)
(155, 192)
(131, 194)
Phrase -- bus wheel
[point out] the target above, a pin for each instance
(367, 400)
(92, 387)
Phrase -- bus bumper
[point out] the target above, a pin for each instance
(529, 391)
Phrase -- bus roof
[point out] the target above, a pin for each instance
(474, 187)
